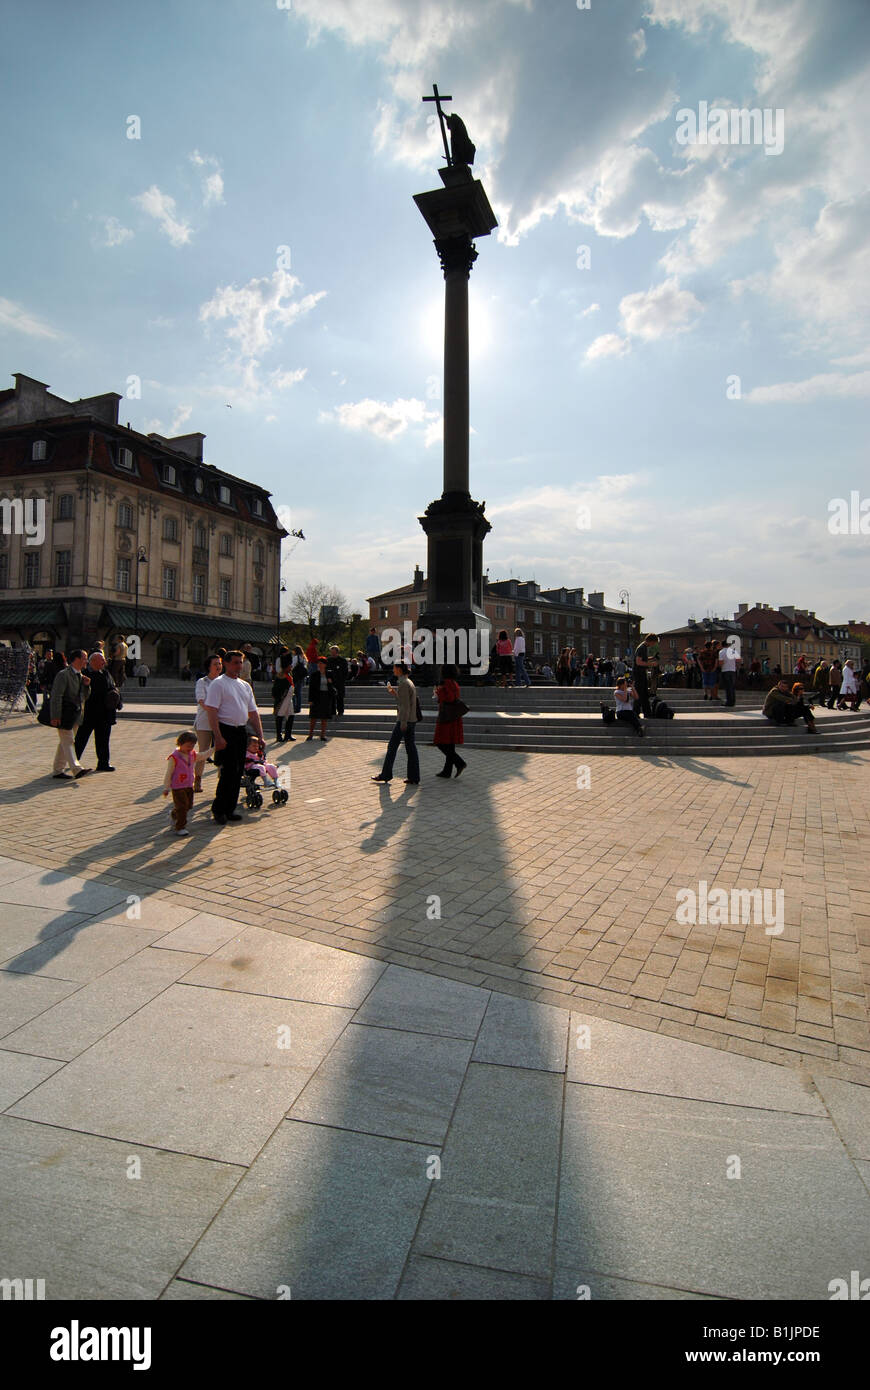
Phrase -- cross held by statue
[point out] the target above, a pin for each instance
(460, 150)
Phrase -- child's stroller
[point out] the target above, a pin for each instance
(253, 775)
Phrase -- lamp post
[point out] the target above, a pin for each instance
(625, 602)
(141, 559)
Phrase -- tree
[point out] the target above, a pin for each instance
(306, 605)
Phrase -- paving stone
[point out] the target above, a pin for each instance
(180, 1291)
(199, 1071)
(494, 1203)
(23, 997)
(382, 1081)
(287, 967)
(62, 891)
(82, 953)
(424, 1004)
(84, 1017)
(623, 1057)
(327, 1213)
(640, 1172)
(441, 1280)
(202, 934)
(849, 1106)
(522, 1033)
(20, 1073)
(582, 1285)
(23, 927)
(74, 1217)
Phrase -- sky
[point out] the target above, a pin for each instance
(209, 203)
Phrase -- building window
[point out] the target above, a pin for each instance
(65, 506)
(584, 623)
(226, 544)
(31, 570)
(62, 567)
(258, 553)
(170, 528)
(169, 474)
(539, 617)
(4, 571)
(539, 644)
(602, 625)
(200, 538)
(225, 593)
(554, 620)
(122, 574)
(125, 515)
(521, 615)
(125, 459)
(199, 588)
(499, 610)
(258, 600)
(169, 574)
(224, 495)
(383, 614)
(38, 450)
(257, 506)
(403, 610)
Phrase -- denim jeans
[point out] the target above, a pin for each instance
(729, 680)
(521, 672)
(410, 741)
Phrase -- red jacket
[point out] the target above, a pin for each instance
(311, 652)
(448, 731)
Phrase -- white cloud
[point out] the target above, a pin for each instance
(593, 309)
(659, 311)
(212, 181)
(13, 316)
(607, 345)
(162, 208)
(282, 381)
(254, 311)
(380, 419)
(826, 385)
(115, 233)
(180, 418)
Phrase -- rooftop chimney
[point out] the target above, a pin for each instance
(595, 600)
(742, 608)
(418, 578)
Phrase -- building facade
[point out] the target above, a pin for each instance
(139, 535)
(776, 637)
(550, 618)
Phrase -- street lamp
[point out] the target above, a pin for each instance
(141, 559)
(625, 602)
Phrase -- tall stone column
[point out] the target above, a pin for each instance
(454, 523)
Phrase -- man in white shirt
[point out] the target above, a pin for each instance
(729, 660)
(229, 704)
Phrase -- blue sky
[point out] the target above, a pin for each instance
(258, 247)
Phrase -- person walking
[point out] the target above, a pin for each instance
(201, 725)
(563, 667)
(178, 779)
(283, 693)
(54, 663)
(98, 715)
(449, 732)
(247, 670)
(229, 704)
(69, 691)
(142, 671)
(820, 680)
(505, 652)
(520, 672)
(835, 680)
(404, 729)
(336, 667)
(118, 663)
(626, 696)
(643, 665)
(849, 686)
(729, 660)
(319, 699)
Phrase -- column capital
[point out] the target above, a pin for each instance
(456, 253)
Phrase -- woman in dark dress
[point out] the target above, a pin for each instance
(448, 732)
(320, 699)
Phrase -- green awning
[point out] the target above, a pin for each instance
(32, 613)
(174, 623)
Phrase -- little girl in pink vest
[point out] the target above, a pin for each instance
(180, 767)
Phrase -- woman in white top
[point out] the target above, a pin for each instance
(200, 723)
(520, 672)
(849, 686)
(625, 696)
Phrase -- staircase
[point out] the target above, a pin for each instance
(552, 719)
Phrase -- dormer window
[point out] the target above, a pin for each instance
(224, 495)
(38, 450)
(125, 459)
(169, 475)
(257, 506)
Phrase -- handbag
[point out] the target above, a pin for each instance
(450, 710)
(113, 700)
(286, 706)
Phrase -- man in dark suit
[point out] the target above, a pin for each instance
(99, 712)
(336, 669)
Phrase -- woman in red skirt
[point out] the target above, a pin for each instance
(448, 732)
